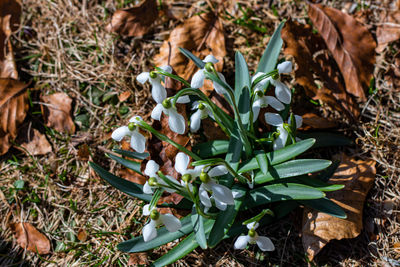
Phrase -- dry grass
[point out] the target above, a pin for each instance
(63, 46)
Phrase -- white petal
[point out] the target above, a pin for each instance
(222, 193)
(275, 103)
(218, 171)
(219, 88)
(273, 119)
(195, 105)
(280, 142)
(157, 111)
(285, 67)
(282, 92)
(172, 223)
(265, 244)
(147, 188)
(241, 242)
(195, 121)
(196, 171)
(181, 162)
(183, 99)
(220, 205)
(210, 58)
(258, 74)
(149, 231)
(256, 109)
(298, 119)
(237, 194)
(198, 79)
(143, 77)
(151, 168)
(138, 142)
(146, 210)
(158, 91)
(166, 68)
(204, 197)
(120, 133)
(253, 225)
(176, 121)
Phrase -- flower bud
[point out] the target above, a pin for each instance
(153, 75)
(166, 103)
(131, 126)
(252, 233)
(186, 178)
(154, 214)
(209, 67)
(204, 177)
(153, 181)
(202, 106)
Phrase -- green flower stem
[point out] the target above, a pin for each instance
(196, 202)
(259, 216)
(162, 137)
(156, 197)
(174, 187)
(219, 161)
(173, 76)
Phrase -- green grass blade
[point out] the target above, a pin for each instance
(129, 188)
(292, 168)
(211, 148)
(198, 228)
(279, 156)
(133, 165)
(280, 192)
(327, 206)
(132, 154)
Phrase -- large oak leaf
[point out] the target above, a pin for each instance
(350, 43)
(389, 31)
(319, 228)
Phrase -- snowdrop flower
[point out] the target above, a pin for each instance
(155, 181)
(263, 101)
(201, 113)
(138, 141)
(199, 76)
(275, 119)
(181, 164)
(149, 230)
(221, 194)
(157, 91)
(263, 242)
(282, 92)
(176, 121)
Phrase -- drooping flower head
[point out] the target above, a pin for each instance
(199, 76)
(201, 113)
(275, 119)
(158, 90)
(138, 141)
(263, 242)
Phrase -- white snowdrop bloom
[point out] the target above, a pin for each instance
(181, 166)
(176, 121)
(263, 101)
(221, 194)
(201, 113)
(158, 90)
(138, 141)
(282, 92)
(263, 242)
(199, 76)
(155, 181)
(172, 223)
(275, 119)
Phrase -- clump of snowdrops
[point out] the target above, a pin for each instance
(233, 187)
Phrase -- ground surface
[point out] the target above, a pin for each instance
(63, 46)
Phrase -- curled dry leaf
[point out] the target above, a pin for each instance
(315, 64)
(35, 142)
(82, 235)
(137, 259)
(350, 43)
(389, 31)
(135, 21)
(124, 96)
(202, 35)
(319, 228)
(56, 111)
(28, 237)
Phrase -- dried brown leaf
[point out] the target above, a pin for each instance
(56, 111)
(389, 31)
(136, 259)
(82, 235)
(36, 143)
(319, 228)
(124, 96)
(313, 121)
(135, 21)
(28, 237)
(202, 35)
(350, 43)
(315, 64)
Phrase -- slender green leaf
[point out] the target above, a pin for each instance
(199, 63)
(262, 161)
(292, 168)
(129, 188)
(318, 184)
(132, 154)
(198, 227)
(133, 165)
(325, 139)
(327, 206)
(280, 192)
(242, 88)
(270, 56)
(232, 157)
(225, 220)
(326, 174)
(137, 244)
(279, 156)
(211, 148)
